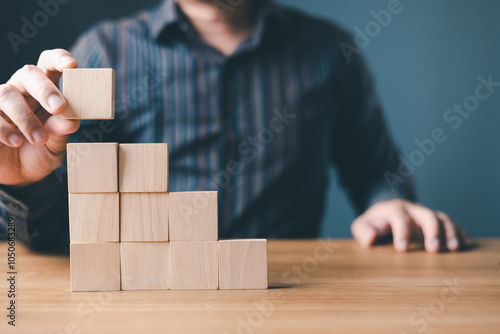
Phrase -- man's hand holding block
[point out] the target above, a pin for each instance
(89, 93)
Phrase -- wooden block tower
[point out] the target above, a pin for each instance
(127, 231)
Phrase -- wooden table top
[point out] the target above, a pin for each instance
(315, 287)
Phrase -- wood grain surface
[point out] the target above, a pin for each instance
(315, 287)
(193, 216)
(243, 264)
(95, 266)
(94, 217)
(89, 93)
(144, 217)
(92, 167)
(143, 168)
(194, 265)
(145, 265)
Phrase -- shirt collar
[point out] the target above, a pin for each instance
(166, 14)
(163, 16)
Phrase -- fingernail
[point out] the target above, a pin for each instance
(401, 245)
(66, 60)
(15, 140)
(434, 244)
(453, 243)
(40, 135)
(55, 101)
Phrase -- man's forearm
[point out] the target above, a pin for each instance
(383, 191)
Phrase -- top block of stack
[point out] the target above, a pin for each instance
(89, 93)
(143, 168)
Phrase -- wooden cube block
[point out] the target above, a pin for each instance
(193, 265)
(143, 168)
(89, 93)
(145, 265)
(94, 217)
(92, 168)
(95, 266)
(243, 264)
(144, 217)
(193, 216)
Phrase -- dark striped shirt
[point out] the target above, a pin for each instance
(260, 126)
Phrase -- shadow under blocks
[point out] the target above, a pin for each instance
(127, 231)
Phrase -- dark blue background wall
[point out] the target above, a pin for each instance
(424, 61)
(427, 59)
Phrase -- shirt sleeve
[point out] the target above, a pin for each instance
(362, 148)
(40, 210)
(12, 209)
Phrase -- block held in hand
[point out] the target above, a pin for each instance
(89, 93)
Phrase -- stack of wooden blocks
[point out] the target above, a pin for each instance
(127, 231)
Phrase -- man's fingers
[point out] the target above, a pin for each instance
(13, 104)
(53, 62)
(450, 230)
(381, 220)
(31, 80)
(400, 223)
(363, 232)
(408, 221)
(464, 237)
(453, 232)
(9, 135)
(429, 223)
(59, 128)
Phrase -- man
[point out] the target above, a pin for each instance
(255, 101)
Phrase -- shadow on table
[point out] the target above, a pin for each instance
(418, 245)
(278, 287)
